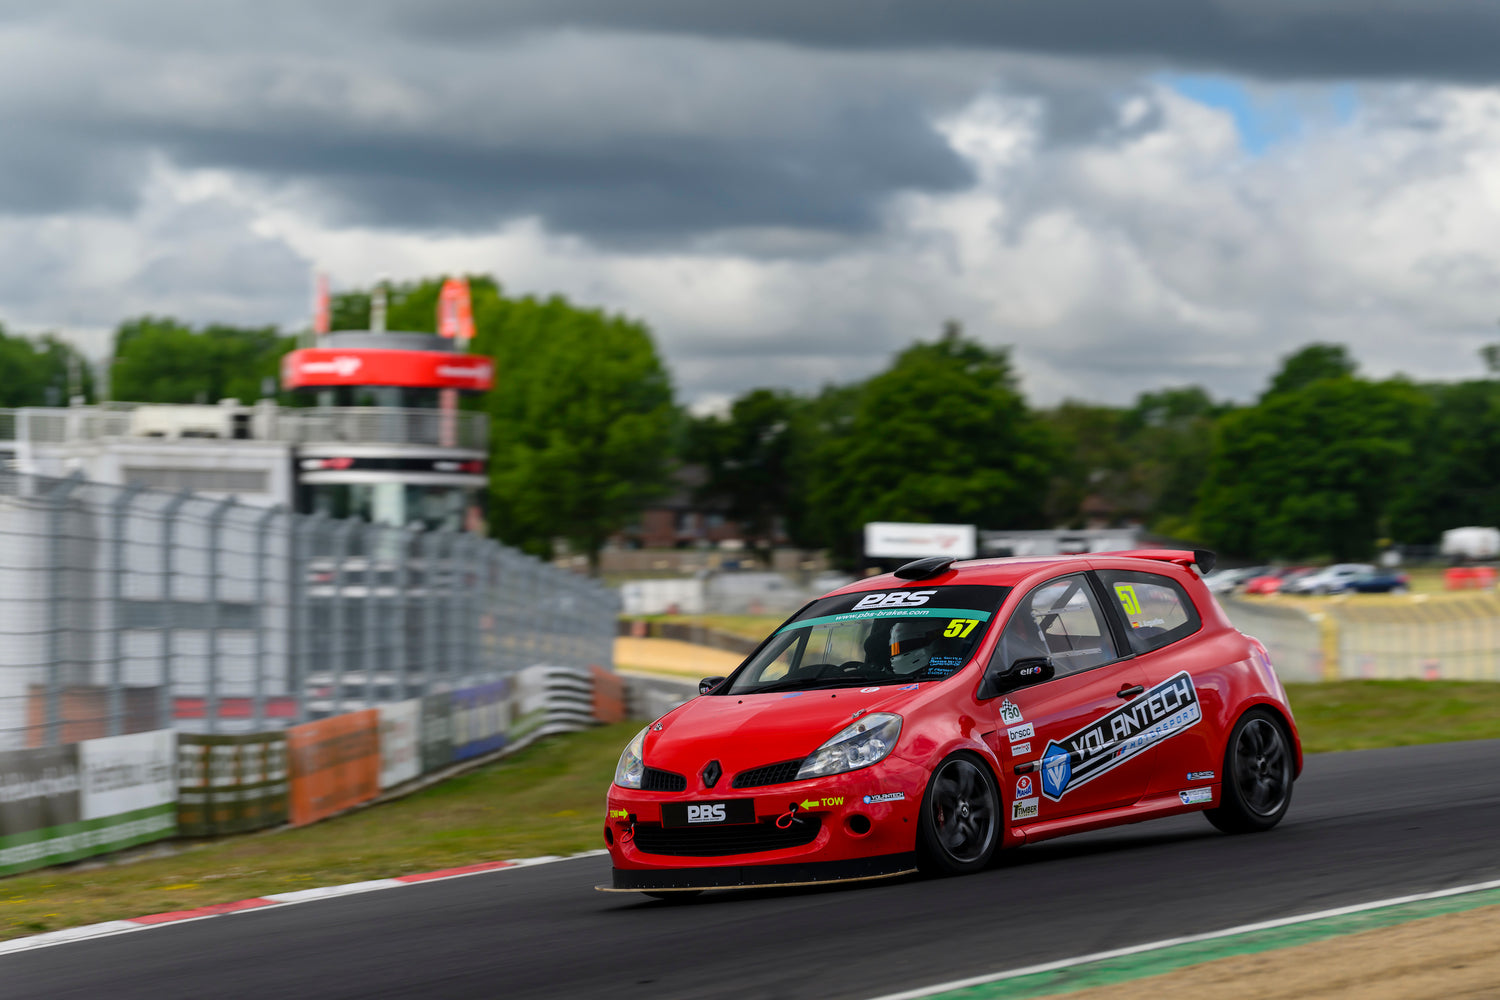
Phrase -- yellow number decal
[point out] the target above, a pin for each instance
(1126, 593)
(959, 628)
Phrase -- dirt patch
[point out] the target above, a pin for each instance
(669, 656)
(1453, 956)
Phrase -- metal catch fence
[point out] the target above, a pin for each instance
(127, 610)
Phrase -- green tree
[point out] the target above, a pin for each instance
(1308, 472)
(1309, 365)
(582, 421)
(158, 360)
(943, 435)
(36, 372)
(1452, 477)
(748, 456)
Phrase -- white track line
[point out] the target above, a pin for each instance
(1099, 956)
(111, 928)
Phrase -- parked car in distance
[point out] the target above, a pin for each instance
(1227, 581)
(1329, 580)
(1274, 580)
(1380, 582)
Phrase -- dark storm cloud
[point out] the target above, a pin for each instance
(1446, 39)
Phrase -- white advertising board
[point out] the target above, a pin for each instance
(895, 540)
(123, 774)
(400, 749)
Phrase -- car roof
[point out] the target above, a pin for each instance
(1009, 571)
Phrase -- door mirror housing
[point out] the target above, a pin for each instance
(707, 684)
(1022, 672)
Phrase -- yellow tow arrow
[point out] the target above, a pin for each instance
(810, 804)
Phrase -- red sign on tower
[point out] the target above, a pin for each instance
(455, 313)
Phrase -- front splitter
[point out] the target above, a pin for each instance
(760, 876)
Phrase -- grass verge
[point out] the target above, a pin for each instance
(1360, 715)
(549, 799)
(546, 799)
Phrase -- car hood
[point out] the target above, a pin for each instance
(746, 731)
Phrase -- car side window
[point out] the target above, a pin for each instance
(1059, 619)
(1156, 609)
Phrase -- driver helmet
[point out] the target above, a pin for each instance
(911, 645)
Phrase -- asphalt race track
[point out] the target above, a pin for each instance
(1362, 826)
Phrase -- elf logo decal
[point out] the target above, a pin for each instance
(1009, 713)
(1161, 713)
(707, 814)
(894, 599)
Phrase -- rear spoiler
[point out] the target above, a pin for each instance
(1202, 558)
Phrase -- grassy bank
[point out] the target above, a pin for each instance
(549, 799)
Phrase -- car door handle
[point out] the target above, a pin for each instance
(1130, 691)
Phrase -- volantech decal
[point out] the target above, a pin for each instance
(1162, 712)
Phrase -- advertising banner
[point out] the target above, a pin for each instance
(609, 695)
(60, 804)
(400, 749)
(335, 764)
(481, 718)
(313, 366)
(896, 540)
(229, 784)
(437, 731)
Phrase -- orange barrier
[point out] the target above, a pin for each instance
(609, 695)
(335, 764)
(1469, 578)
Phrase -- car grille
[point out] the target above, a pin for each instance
(717, 841)
(771, 774)
(662, 781)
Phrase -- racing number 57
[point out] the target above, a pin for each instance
(959, 628)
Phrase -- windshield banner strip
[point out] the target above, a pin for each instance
(851, 616)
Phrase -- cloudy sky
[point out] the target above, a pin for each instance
(1131, 194)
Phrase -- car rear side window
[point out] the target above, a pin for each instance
(1157, 611)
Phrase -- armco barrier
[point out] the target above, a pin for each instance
(335, 764)
(68, 802)
(230, 784)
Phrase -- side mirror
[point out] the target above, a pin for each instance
(707, 684)
(1027, 670)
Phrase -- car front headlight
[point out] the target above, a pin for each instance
(629, 771)
(859, 744)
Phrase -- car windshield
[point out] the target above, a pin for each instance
(897, 636)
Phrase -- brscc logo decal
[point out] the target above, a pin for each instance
(1159, 714)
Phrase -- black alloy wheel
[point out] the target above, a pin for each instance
(1257, 777)
(960, 823)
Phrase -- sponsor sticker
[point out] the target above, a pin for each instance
(1200, 776)
(885, 797)
(792, 694)
(1010, 714)
(1019, 748)
(1021, 732)
(945, 661)
(1194, 795)
(868, 690)
(1162, 712)
(1024, 808)
(894, 599)
(1023, 787)
(907, 687)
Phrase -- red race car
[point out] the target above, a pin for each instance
(926, 718)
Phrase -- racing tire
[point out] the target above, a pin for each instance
(1257, 785)
(959, 827)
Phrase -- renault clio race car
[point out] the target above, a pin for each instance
(925, 719)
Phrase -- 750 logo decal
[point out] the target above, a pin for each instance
(1109, 741)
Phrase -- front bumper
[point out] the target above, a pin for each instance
(861, 824)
